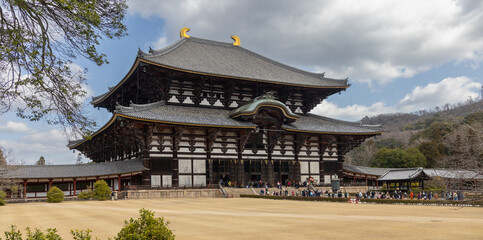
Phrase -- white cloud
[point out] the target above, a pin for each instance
(352, 112)
(368, 41)
(447, 91)
(14, 127)
(32, 144)
(161, 42)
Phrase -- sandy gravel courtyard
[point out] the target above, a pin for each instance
(239, 218)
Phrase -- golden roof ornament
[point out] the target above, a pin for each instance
(182, 33)
(236, 39)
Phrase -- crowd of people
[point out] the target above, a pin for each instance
(301, 189)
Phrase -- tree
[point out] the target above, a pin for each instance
(145, 227)
(399, 158)
(101, 190)
(433, 152)
(3, 160)
(362, 155)
(41, 161)
(39, 41)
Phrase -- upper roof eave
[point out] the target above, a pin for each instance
(142, 57)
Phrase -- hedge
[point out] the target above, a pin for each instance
(477, 203)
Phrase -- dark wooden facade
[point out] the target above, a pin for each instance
(196, 153)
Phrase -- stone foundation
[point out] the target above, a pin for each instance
(178, 193)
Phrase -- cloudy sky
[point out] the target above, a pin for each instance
(399, 56)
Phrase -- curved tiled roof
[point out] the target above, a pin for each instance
(162, 112)
(316, 123)
(215, 117)
(402, 174)
(366, 170)
(73, 170)
(219, 58)
(207, 57)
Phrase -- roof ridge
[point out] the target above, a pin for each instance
(133, 107)
(176, 44)
(163, 50)
(355, 124)
(320, 76)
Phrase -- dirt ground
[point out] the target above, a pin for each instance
(240, 218)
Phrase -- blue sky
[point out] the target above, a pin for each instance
(399, 56)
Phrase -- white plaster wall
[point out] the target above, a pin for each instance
(304, 167)
(185, 180)
(199, 181)
(155, 180)
(184, 166)
(167, 181)
(314, 167)
(199, 166)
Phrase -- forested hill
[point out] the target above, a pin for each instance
(443, 137)
(399, 121)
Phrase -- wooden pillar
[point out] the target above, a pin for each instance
(321, 147)
(340, 167)
(75, 188)
(119, 186)
(50, 183)
(297, 170)
(240, 172)
(24, 188)
(212, 179)
(270, 177)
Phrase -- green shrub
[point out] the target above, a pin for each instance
(55, 195)
(3, 195)
(14, 234)
(145, 227)
(15, 190)
(101, 190)
(81, 234)
(86, 194)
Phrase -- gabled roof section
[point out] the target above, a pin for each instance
(159, 112)
(366, 170)
(171, 114)
(453, 173)
(268, 100)
(133, 166)
(212, 58)
(318, 124)
(403, 174)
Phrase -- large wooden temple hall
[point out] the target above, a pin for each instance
(201, 111)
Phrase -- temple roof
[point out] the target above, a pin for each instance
(366, 170)
(224, 59)
(403, 174)
(73, 170)
(212, 58)
(214, 117)
(319, 124)
(161, 112)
